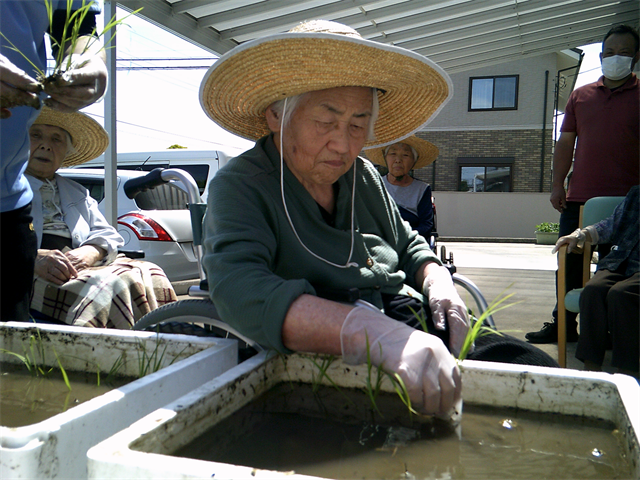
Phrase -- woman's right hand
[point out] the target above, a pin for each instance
(54, 266)
(428, 370)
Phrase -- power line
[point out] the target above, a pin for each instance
(158, 131)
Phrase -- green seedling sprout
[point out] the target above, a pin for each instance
(151, 363)
(479, 329)
(34, 358)
(322, 363)
(372, 389)
(70, 38)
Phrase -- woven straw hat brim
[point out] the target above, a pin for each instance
(88, 137)
(427, 152)
(237, 89)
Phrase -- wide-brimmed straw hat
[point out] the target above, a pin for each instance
(237, 89)
(427, 152)
(88, 138)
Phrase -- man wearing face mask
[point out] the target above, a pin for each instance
(601, 124)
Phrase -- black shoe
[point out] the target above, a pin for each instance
(549, 334)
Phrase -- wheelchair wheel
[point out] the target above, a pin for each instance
(196, 311)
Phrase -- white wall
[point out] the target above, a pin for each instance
(456, 116)
(493, 215)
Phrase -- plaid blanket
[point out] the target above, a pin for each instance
(112, 296)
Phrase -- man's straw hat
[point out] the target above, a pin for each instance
(427, 152)
(237, 89)
(88, 138)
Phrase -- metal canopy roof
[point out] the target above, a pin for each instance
(459, 35)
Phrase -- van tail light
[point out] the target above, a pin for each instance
(144, 227)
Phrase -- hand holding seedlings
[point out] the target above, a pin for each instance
(446, 305)
(429, 372)
(16, 88)
(81, 85)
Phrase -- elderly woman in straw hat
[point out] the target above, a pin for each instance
(74, 238)
(412, 196)
(304, 248)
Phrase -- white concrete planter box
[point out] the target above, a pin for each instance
(56, 447)
(141, 451)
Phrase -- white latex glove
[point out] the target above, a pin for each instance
(426, 367)
(575, 241)
(447, 307)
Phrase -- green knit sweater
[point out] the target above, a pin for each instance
(256, 266)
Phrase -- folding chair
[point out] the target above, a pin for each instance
(594, 210)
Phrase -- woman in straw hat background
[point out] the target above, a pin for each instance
(299, 226)
(78, 279)
(412, 196)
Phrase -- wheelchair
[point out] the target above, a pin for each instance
(199, 309)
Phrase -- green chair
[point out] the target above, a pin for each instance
(594, 210)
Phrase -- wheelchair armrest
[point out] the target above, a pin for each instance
(132, 253)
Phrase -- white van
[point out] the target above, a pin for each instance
(201, 164)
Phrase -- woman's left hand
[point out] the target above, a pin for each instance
(447, 307)
(85, 256)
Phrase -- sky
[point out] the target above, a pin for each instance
(157, 100)
(158, 82)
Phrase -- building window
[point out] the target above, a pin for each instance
(485, 174)
(493, 93)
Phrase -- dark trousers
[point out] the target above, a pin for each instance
(610, 309)
(18, 249)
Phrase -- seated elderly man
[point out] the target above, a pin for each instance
(299, 227)
(79, 280)
(413, 196)
(610, 301)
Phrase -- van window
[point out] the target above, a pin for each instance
(199, 172)
(162, 197)
(94, 185)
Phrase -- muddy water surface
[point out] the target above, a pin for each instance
(327, 434)
(26, 399)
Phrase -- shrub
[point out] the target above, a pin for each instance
(548, 227)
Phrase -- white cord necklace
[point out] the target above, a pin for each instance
(286, 210)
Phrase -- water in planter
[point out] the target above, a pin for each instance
(326, 433)
(26, 399)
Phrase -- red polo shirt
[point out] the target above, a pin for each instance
(607, 157)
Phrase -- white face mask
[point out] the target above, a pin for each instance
(616, 67)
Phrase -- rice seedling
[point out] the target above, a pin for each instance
(34, 358)
(149, 363)
(83, 46)
(322, 363)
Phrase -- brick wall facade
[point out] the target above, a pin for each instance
(523, 145)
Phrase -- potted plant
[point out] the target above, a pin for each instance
(547, 233)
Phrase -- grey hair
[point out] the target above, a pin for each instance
(294, 101)
(413, 150)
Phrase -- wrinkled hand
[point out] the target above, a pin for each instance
(558, 198)
(428, 370)
(85, 256)
(447, 307)
(55, 267)
(17, 88)
(81, 85)
(574, 241)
